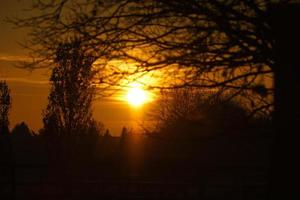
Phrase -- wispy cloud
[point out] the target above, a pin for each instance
(14, 58)
(24, 80)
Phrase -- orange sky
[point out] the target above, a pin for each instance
(30, 89)
(29, 92)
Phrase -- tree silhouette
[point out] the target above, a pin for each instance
(189, 113)
(5, 104)
(69, 110)
(22, 131)
(208, 43)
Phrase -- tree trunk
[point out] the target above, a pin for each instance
(286, 32)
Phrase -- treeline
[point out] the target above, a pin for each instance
(217, 165)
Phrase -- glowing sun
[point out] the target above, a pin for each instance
(137, 96)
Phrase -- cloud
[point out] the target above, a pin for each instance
(14, 58)
(25, 80)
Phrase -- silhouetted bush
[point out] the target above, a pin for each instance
(193, 113)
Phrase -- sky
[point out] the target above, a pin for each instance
(29, 90)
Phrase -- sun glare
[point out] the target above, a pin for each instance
(136, 96)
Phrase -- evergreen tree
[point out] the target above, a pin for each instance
(5, 104)
(22, 130)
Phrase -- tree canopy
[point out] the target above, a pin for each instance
(70, 99)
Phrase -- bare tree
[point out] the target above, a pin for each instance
(203, 44)
(5, 104)
(193, 113)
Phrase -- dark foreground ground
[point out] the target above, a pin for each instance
(136, 167)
